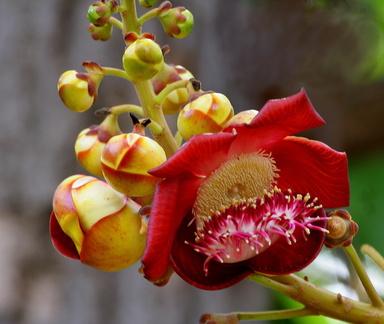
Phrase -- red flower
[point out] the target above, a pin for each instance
(247, 199)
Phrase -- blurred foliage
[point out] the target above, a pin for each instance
(367, 19)
(367, 192)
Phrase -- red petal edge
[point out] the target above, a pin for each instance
(295, 113)
(61, 241)
(312, 167)
(198, 149)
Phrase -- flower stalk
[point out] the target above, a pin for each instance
(365, 280)
(320, 301)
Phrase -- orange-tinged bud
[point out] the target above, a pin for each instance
(143, 59)
(174, 101)
(91, 141)
(126, 160)
(77, 90)
(105, 226)
(243, 117)
(208, 113)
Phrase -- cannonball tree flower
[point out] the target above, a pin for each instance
(248, 199)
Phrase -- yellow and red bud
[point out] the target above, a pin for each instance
(126, 160)
(104, 225)
(174, 101)
(142, 59)
(77, 90)
(243, 117)
(91, 142)
(207, 113)
(177, 22)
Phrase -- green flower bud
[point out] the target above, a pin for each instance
(147, 3)
(99, 13)
(102, 33)
(177, 22)
(143, 59)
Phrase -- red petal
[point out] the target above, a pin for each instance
(200, 155)
(277, 119)
(61, 241)
(189, 264)
(282, 258)
(292, 114)
(173, 199)
(312, 167)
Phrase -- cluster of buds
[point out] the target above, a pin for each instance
(98, 15)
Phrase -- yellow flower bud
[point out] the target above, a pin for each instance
(174, 101)
(208, 113)
(126, 160)
(243, 117)
(91, 141)
(77, 90)
(142, 59)
(104, 225)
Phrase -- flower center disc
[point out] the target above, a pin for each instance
(242, 177)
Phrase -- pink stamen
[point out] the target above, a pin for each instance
(249, 227)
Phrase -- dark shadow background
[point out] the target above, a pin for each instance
(250, 50)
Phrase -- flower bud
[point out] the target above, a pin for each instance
(208, 113)
(126, 160)
(91, 141)
(142, 59)
(243, 117)
(147, 3)
(96, 224)
(341, 229)
(77, 90)
(177, 22)
(102, 33)
(99, 13)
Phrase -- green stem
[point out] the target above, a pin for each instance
(129, 17)
(126, 108)
(148, 15)
(365, 280)
(374, 255)
(144, 89)
(169, 88)
(115, 72)
(115, 22)
(234, 318)
(321, 301)
(153, 111)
